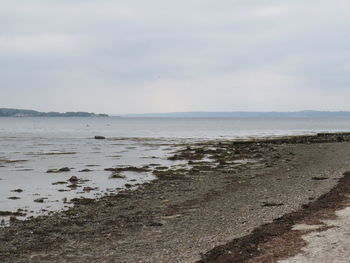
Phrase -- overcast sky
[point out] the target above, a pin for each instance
(134, 56)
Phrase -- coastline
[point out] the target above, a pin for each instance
(185, 214)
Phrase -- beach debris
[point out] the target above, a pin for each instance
(160, 223)
(306, 227)
(98, 137)
(319, 178)
(271, 204)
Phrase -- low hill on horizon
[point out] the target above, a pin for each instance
(9, 112)
(244, 114)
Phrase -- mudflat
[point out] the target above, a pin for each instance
(185, 214)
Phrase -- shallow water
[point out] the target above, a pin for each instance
(24, 164)
(31, 146)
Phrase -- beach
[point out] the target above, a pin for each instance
(186, 214)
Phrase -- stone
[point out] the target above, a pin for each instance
(73, 179)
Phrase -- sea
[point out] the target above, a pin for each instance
(30, 147)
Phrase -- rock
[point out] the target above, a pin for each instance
(59, 182)
(88, 189)
(52, 171)
(64, 169)
(17, 190)
(97, 137)
(110, 169)
(128, 169)
(72, 186)
(40, 200)
(5, 213)
(13, 198)
(85, 171)
(117, 176)
(73, 179)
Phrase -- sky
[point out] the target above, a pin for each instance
(136, 56)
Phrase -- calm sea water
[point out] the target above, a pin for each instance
(196, 128)
(31, 146)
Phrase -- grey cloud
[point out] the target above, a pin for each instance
(117, 50)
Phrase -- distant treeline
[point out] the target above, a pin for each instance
(246, 114)
(4, 112)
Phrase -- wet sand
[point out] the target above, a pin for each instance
(185, 214)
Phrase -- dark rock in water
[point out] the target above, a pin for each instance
(100, 137)
(17, 190)
(59, 182)
(128, 169)
(40, 200)
(85, 171)
(13, 198)
(88, 189)
(73, 179)
(73, 186)
(64, 169)
(117, 176)
(5, 213)
(110, 169)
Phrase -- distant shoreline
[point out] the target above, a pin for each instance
(7, 112)
(243, 114)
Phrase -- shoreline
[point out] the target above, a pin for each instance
(186, 213)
